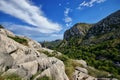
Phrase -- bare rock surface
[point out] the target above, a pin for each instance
(26, 61)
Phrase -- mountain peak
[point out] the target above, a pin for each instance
(77, 31)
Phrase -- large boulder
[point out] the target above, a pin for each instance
(20, 72)
(53, 68)
(79, 75)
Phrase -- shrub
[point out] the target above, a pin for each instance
(10, 77)
(44, 78)
(20, 40)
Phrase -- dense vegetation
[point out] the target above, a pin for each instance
(20, 40)
(51, 44)
(103, 56)
(10, 77)
(44, 78)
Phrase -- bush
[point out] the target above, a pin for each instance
(102, 56)
(20, 40)
(44, 78)
(10, 77)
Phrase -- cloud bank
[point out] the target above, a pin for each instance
(29, 13)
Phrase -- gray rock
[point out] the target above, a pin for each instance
(78, 75)
(20, 72)
(53, 68)
(82, 62)
(79, 30)
(26, 61)
(81, 70)
(6, 32)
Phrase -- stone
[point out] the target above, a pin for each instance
(82, 70)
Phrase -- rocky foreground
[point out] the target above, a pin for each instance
(26, 61)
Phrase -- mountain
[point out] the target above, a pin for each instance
(106, 29)
(79, 30)
(98, 44)
(51, 44)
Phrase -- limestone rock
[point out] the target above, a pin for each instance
(26, 61)
(20, 72)
(78, 75)
(6, 32)
(53, 68)
(82, 70)
(6, 61)
(82, 62)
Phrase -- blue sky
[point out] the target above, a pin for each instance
(49, 19)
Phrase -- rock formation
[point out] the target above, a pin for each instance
(26, 61)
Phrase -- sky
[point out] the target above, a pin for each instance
(49, 19)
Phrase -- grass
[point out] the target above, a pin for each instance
(10, 77)
(20, 40)
(69, 65)
(44, 78)
(97, 73)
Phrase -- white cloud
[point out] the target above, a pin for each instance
(29, 13)
(67, 18)
(66, 12)
(31, 32)
(89, 4)
(68, 24)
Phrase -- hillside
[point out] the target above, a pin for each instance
(51, 44)
(106, 29)
(99, 46)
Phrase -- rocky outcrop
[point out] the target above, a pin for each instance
(56, 71)
(78, 75)
(26, 61)
(6, 32)
(79, 30)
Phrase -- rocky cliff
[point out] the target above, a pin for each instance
(79, 30)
